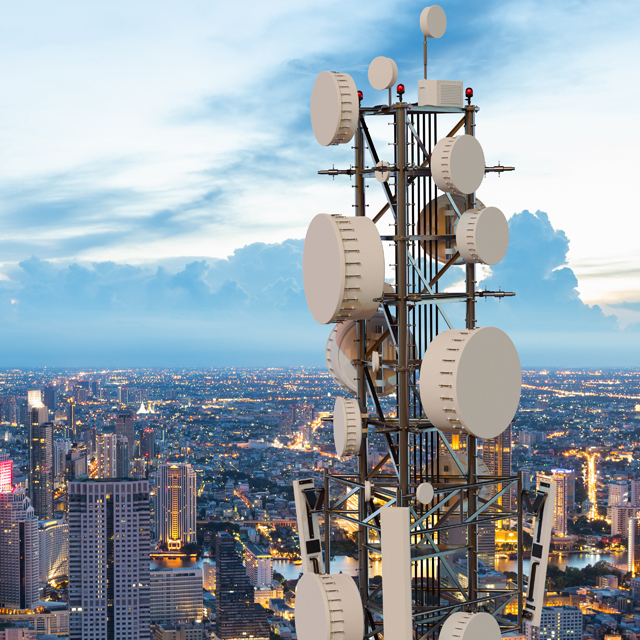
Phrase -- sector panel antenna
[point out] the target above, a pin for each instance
(433, 22)
(342, 268)
(383, 73)
(482, 235)
(335, 108)
(471, 379)
(457, 164)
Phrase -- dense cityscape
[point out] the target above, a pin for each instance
(160, 503)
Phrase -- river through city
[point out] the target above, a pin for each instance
(345, 564)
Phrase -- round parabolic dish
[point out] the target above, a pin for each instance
(347, 427)
(457, 164)
(342, 268)
(471, 379)
(335, 108)
(482, 235)
(383, 73)
(433, 21)
(342, 349)
(470, 626)
(327, 605)
(443, 221)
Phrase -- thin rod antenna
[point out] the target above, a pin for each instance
(390, 95)
(425, 57)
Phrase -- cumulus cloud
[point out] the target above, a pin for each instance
(250, 309)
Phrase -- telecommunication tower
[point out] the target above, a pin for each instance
(424, 506)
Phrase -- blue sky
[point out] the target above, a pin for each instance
(159, 171)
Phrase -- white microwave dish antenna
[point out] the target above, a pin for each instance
(335, 108)
(342, 268)
(383, 73)
(457, 164)
(433, 22)
(471, 379)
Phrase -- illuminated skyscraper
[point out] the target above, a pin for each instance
(54, 549)
(176, 595)
(259, 565)
(51, 397)
(6, 472)
(237, 615)
(18, 551)
(112, 451)
(109, 559)
(564, 479)
(148, 445)
(175, 506)
(40, 457)
(125, 426)
(496, 454)
(634, 547)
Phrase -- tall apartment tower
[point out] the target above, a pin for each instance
(54, 549)
(112, 452)
(19, 547)
(125, 426)
(634, 547)
(496, 454)
(564, 479)
(51, 397)
(175, 507)
(148, 444)
(109, 559)
(237, 615)
(40, 457)
(259, 565)
(556, 623)
(6, 473)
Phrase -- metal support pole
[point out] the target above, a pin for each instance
(402, 231)
(425, 57)
(472, 444)
(327, 526)
(520, 547)
(361, 333)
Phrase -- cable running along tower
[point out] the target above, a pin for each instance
(426, 506)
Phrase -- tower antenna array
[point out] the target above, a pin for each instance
(428, 504)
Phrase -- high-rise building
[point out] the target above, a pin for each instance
(40, 457)
(109, 559)
(112, 452)
(562, 478)
(557, 623)
(237, 615)
(125, 426)
(209, 576)
(71, 421)
(259, 565)
(51, 397)
(618, 495)
(634, 493)
(60, 449)
(148, 444)
(54, 549)
(175, 505)
(496, 454)
(18, 551)
(633, 547)
(6, 473)
(176, 595)
(487, 543)
(76, 464)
